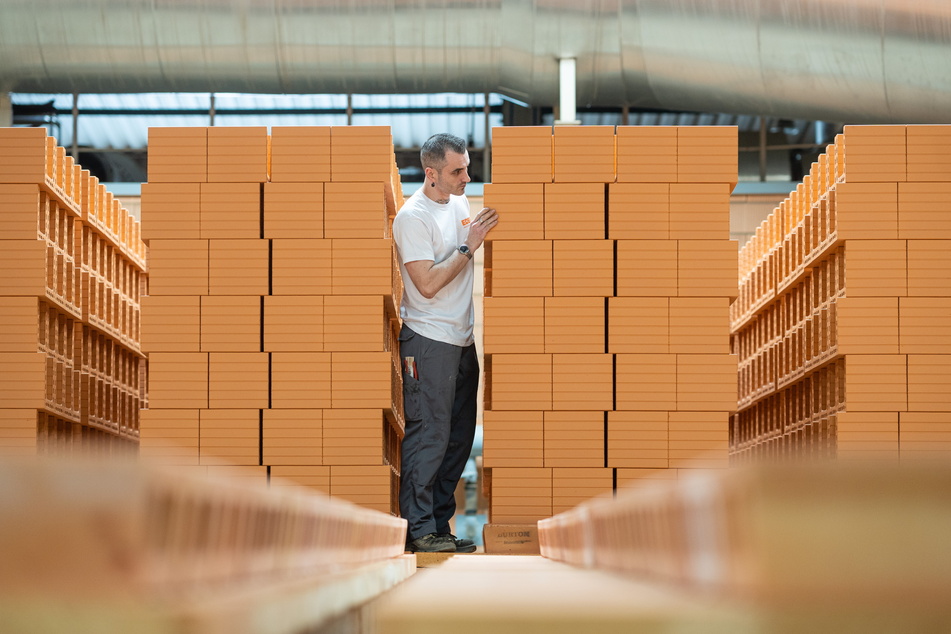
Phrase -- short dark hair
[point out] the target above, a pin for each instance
(433, 152)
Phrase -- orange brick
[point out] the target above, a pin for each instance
(171, 210)
(574, 324)
(646, 154)
(300, 380)
(866, 211)
(519, 381)
(707, 268)
(925, 325)
(230, 324)
(231, 435)
(922, 211)
(237, 155)
(294, 210)
(706, 382)
(521, 208)
(574, 439)
(171, 324)
(928, 152)
(361, 153)
(647, 268)
(316, 478)
(178, 155)
(178, 267)
(361, 380)
(876, 383)
(639, 211)
(514, 324)
(584, 154)
(294, 323)
(700, 325)
(522, 154)
(876, 268)
(866, 435)
(574, 211)
(638, 325)
(362, 264)
(354, 323)
(583, 268)
(929, 383)
(699, 211)
(513, 439)
(238, 267)
(637, 439)
(924, 436)
(178, 380)
(301, 267)
(707, 154)
(646, 382)
(355, 210)
(230, 210)
(518, 268)
(353, 436)
(582, 382)
(300, 154)
(874, 153)
(867, 325)
(929, 268)
(238, 380)
(292, 437)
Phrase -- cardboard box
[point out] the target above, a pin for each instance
(510, 539)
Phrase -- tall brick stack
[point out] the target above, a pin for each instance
(607, 291)
(71, 371)
(271, 316)
(845, 306)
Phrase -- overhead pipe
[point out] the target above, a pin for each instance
(857, 61)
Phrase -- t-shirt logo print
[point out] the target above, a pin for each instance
(465, 221)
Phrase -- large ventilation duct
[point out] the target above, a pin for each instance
(857, 61)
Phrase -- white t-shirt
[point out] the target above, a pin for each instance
(426, 230)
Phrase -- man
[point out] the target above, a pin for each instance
(436, 240)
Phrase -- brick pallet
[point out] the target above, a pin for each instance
(70, 303)
(841, 324)
(607, 291)
(271, 319)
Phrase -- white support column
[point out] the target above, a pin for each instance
(6, 110)
(567, 108)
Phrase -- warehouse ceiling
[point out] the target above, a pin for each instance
(856, 61)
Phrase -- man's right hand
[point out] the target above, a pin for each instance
(484, 222)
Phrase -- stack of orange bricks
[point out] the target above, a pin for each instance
(607, 289)
(842, 325)
(271, 315)
(71, 372)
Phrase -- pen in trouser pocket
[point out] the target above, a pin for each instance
(409, 366)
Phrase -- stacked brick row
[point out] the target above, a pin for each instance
(70, 365)
(842, 322)
(271, 316)
(775, 537)
(607, 291)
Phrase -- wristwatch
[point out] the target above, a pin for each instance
(464, 250)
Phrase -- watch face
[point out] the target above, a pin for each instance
(464, 249)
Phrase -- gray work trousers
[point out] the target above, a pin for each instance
(439, 404)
